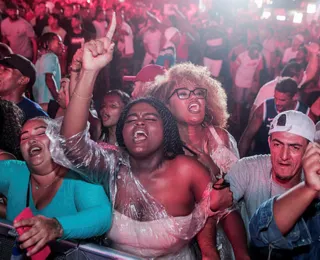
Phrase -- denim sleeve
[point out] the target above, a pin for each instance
(265, 232)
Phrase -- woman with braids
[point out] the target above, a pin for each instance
(199, 105)
(11, 119)
(161, 198)
(47, 83)
(113, 103)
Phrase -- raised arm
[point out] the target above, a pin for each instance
(250, 131)
(73, 147)
(299, 198)
(96, 55)
(312, 67)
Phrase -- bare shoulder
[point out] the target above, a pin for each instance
(6, 156)
(189, 166)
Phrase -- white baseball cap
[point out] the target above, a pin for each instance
(294, 122)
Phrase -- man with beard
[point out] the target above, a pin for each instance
(19, 34)
(258, 127)
(258, 178)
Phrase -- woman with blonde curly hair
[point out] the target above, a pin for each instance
(199, 105)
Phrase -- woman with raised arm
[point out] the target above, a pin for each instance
(161, 198)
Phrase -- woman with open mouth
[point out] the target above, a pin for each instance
(64, 206)
(199, 105)
(161, 198)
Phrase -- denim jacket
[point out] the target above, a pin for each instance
(302, 242)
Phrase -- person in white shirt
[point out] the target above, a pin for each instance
(269, 48)
(152, 42)
(19, 34)
(53, 26)
(292, 70)
(125, 42)
(100, 23)
(246, 79)
(291, 52)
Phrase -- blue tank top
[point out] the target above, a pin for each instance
(269, 113)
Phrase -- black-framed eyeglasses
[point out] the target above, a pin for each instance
(184, 93)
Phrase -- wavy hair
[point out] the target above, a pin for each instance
(186, 73)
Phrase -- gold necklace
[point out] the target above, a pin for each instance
(37, 186)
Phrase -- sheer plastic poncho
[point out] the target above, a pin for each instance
(141, 226)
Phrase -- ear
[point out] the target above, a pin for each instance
(23, 80)
(269, 141)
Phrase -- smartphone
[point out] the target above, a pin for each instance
(42, 254)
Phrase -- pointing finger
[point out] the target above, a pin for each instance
(112, 28)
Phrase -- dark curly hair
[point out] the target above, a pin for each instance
(11, 120)
(45, 39)
(173, 145)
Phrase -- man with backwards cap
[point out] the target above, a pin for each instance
(258, 178)
(287, 226)
(145, 76)
(16, 75)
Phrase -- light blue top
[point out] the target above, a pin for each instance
(47, 63)
(83, 209)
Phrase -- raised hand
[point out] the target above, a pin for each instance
(98, 53)
(311, 166)
(312, 47)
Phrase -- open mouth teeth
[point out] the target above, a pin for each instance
(35, 150)
(194, 107)
(140, 135)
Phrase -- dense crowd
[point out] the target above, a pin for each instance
(164, 131)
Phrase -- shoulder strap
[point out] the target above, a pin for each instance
(215, 135)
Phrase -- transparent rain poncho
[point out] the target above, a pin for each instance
(224, 157)
(141, 226)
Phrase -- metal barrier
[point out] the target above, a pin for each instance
(69, 250)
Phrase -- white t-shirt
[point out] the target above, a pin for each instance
(269, 46)
(288, 55)
(18, 34)
(250, 180)
(153, 40)
(61, 32)
(246, 70)
(100, 28)
(126, 46)
(266, 92)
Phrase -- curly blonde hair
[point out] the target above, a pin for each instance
(186, 73)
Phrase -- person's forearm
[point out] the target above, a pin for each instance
(207, 240)
(294, 201)
(234, 228)
(52, 86)
(74, 78)
(312, 67)
(35, 49)
(244, 145)
(77, 113)
(94, 221)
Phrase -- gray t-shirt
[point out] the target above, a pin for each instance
(18, 34)
(250, 180)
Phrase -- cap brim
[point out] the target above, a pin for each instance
(129, 78)
(5, 63)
